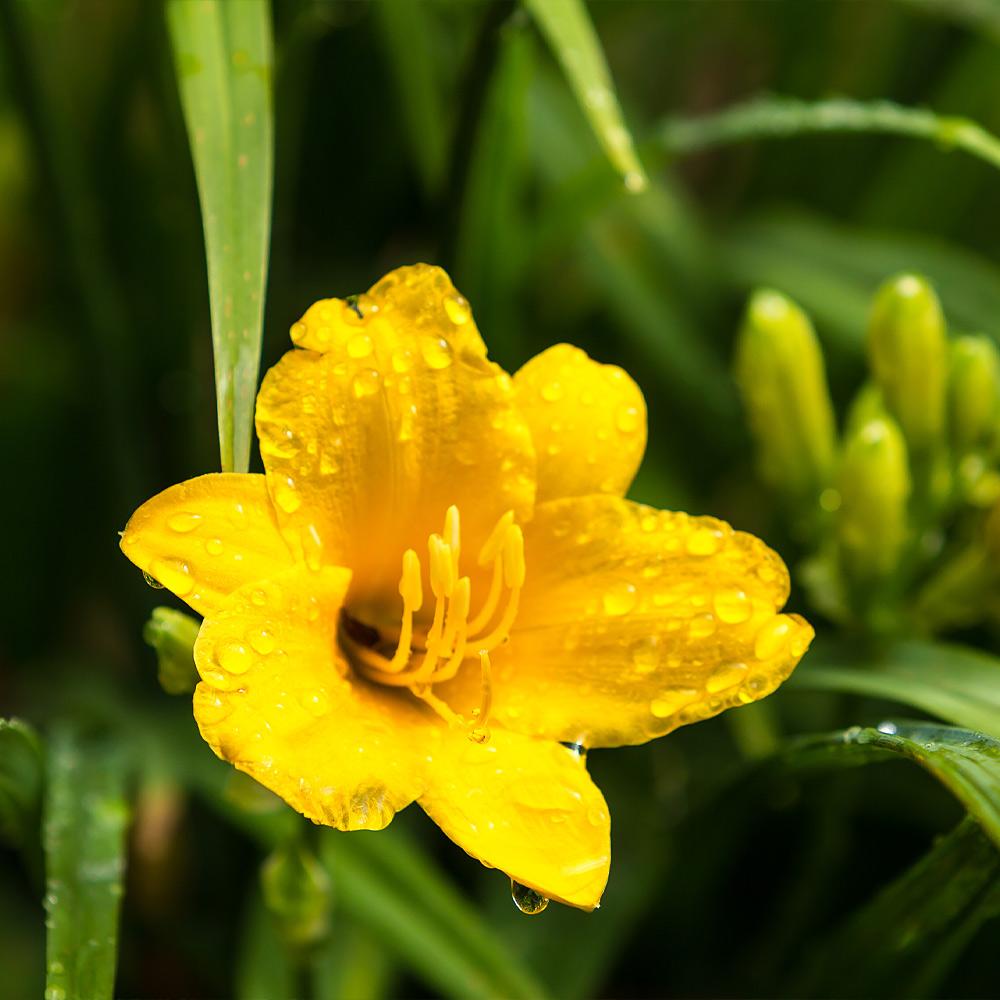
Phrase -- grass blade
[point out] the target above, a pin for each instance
(223, 60)
(20, 780)
(570, 33)
(86, 817)
(781, 117)
(951, 682)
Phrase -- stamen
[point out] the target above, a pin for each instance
(411, 591)
(494, 544)
(485, 613)
(480, 733)
(513, 572)
(453, 534)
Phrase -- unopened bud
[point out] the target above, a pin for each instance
(172, 634)
(874, 485)
(907, 348)
(298, 893)
(782, 378)
(973, 393)
(868, 404)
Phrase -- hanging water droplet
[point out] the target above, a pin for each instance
(577, 749)
(527, 900)
(152, 581)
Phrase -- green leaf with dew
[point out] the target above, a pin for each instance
(223, 60)
(951, 682)
(967, 763)
(86, 819)
(568, 29)
(783, 117)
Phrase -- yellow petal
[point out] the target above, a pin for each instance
(527, 807)
(204, 538)
(587, 420)
(400, 417)
(636, 621)
(277, 701)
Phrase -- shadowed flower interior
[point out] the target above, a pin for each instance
(437, 583)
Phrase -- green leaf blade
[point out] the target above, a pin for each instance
(20, 780)
(223, 56)
(86, 818)
(570, 33)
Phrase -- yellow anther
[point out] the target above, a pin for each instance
(492, 546)
(453, 534)
(442, 567)
(410, 588)
(513, 557)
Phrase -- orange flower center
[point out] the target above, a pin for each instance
(426, 655)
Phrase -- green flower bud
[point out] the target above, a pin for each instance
(907, 348)
(298, 893)
(874, 485)
(782, 378)
(973, 393)
(868, 404)
(172, 634)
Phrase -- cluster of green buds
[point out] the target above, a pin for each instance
(900, 510)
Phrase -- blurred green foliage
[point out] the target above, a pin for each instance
(447, 131)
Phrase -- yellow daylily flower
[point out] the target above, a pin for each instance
(437, 584)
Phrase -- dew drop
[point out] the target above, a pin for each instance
(317, 704)
(436, 352)
(457, 309)
(621, 599)
(287, 499)
(628, 419)
(263, 642)
(152, 581)
(174, 575)
(214, 546)
(182, 522)
(258, 597)
(702, 626)
(402, 361)
(297, 332)
(552, 392)
(772, 638)
(670, 700)
(726, 677)
(732, 606)
(235, 658)
(359, 346)
(527, 900)
(366, 382)
(646, 654)
(703, 542)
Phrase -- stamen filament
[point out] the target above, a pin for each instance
(485, 613)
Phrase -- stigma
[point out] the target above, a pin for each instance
(429, 654)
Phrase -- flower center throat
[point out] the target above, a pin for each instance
(427, 655)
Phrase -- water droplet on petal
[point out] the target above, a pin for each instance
(457, 309)
(359, 346)
(670, 701)
(701, 626)
(552, 391)
(732, 606)
(366, 382)
(287, 498)
(152, 581)
(263, 642)
(258, 597)
(703, 542)
(628, 419)
(214, 546)
(621, 599)
(317, 704)
(772, 638)
(402, 360)
(183, 522)
(173, 574)
(646, 654)
(235, 658)
(436, 352)
(527, 900)
(726, 677)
